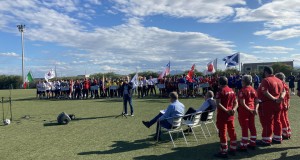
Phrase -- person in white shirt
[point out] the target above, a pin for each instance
(151, 86)
(208, 105)
(140, 88)
(144, 90)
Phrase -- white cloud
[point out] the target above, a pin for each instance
(296, 57)
(10, 54)
(272, 49)
(66, 5)
(293, 32)
(199, 9)
(248, 58)
(263, 32)
(281, 18)
(276, 14)
(95, 2)
(123, 47)
(259, 2)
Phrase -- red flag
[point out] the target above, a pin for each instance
(189, 76)
(211, 67)
(25, 85)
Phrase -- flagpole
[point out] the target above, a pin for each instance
(55, 72)
(21, 29)
(216, 64)
(170, 66)
(240, 63)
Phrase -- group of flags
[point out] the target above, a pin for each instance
(29, 77)
(230, 61)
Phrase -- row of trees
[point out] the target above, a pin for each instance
(8, 81)
(11, 81)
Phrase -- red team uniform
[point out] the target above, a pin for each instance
(225, 122)
(246, 117)
(269, 110)
(286, 130)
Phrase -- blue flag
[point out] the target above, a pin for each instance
(232, 60)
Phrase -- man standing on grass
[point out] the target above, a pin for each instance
(271, 93)
(226, 107)
(291, 80)
(165, 117)
(127, 96)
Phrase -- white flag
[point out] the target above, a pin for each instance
(50, 75)
(135, 81)
(211, 67)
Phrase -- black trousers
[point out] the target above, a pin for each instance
(189, 111)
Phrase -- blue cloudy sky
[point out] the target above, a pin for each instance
(92, 36)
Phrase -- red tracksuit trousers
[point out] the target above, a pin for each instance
(286, 130)
(247, 122)
(223, 127)
(269, 115)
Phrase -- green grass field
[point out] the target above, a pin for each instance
(97, 134)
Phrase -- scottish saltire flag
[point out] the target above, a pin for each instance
(165, 72)
(211, 67)
(135, 81)
(232, 60)
(50, 75)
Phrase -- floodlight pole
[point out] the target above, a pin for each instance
(21, 29)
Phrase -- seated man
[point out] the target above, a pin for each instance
(208, 105)
(175, 109)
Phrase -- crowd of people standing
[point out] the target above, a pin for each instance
(270, 100)
(109, 88)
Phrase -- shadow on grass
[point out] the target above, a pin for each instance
(53, 123)
(90, 118)
(123, 146)
(110, 100)
(26, 99)
(207, 151)
(154, 100)
(284, 156)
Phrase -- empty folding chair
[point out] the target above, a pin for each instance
(209, 120)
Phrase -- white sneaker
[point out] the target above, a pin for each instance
(132, 115)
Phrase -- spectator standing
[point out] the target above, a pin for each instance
(291, 80)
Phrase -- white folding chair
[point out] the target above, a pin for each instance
(209, 120)
(176, 128)
(193, 122)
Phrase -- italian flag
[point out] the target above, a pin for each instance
(28, 79)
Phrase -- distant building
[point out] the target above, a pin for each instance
(83, 76)
(257, 67)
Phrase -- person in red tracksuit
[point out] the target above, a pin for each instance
(248, 104)
(286, 129)
(271, 94)
(86, 87)
(226, 107)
